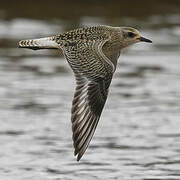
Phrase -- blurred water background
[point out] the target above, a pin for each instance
(138, 136)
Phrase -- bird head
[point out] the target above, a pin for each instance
(131, 36)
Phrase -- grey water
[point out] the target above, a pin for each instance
(138, 136)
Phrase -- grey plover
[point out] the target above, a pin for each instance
(92, 53)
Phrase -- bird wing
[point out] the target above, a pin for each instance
(89, 99)
(93, 72)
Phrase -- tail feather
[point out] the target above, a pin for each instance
(42, 43)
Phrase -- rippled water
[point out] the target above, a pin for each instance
(138, 136)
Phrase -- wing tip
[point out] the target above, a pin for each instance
(79, 156)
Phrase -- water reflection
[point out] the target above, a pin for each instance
(138, 135)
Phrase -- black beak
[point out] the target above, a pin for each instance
(145, 40)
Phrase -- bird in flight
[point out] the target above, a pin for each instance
(92, 53)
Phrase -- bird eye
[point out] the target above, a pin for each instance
(131, 34)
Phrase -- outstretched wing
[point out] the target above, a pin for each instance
(93, 72)
(89, 99)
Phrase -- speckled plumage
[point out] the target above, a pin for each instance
(92, 53)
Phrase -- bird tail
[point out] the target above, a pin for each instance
(42, 43)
